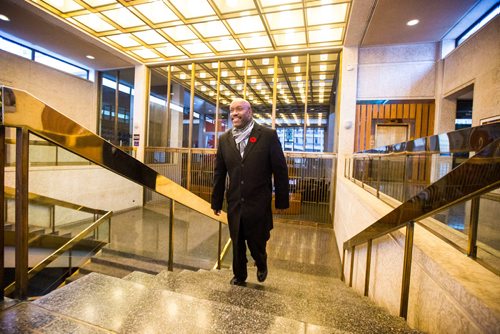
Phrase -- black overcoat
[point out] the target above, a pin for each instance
(249, 193)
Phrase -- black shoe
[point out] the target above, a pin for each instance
(235, 281)
(261, 275)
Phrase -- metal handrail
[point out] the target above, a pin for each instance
(22, 110)
(474, 177)
(58, 252)
(27, 114)
(463, 140)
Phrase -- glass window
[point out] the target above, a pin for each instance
(15, 48)
(61, 65)
(117, 127)
(490, 15)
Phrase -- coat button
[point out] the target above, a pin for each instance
(242, 182)
(243, 200)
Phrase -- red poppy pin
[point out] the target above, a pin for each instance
(253, 139)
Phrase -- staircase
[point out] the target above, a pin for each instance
(201, 302)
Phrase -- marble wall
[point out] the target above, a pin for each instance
(449, 293)
(397, 72)
(477, 62)
(73, 96)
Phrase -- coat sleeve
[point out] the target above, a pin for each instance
(280, 174)
(219, 184)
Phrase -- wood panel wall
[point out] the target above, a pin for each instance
(418, 115)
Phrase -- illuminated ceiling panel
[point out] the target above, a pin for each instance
(155, 31)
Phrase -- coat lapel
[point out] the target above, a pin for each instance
(252, 140)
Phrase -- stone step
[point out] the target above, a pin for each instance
(123, 306)
(30, 318)
(92, 267)
(339, 308)
(180, 262)
(128, 263)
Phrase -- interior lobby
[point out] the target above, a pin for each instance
(388, 113)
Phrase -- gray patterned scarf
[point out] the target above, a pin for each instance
(241, 136)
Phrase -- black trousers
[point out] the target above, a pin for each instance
(257, 248)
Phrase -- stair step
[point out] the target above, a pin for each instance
(128, 263)
(92, 267)
(113, 301)
(35, 319)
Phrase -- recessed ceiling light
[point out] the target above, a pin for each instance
(90, 57)
(4, 18)
(412, 22)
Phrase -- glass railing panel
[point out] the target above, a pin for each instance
(196, 238)
(311, 178)
(202, 173)
(488, 234)
(169, 162)
(392, 176)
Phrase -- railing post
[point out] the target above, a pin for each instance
(345, 168)
(3, 209)
(352, 266)
(70, 261)
(473, 223)
(21, 258)
(342, 276)
(368, 263)
(363, 174)
(405, 286)
(405, 178)
(379, 172)
(52, 210)
(171, 237)
(109, 230)
(219, 248)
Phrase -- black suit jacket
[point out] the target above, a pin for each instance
(249, 193)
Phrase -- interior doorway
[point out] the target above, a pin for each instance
(387, 134)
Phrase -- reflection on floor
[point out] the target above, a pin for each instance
(302, 293)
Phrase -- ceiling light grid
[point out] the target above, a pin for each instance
(214, 27)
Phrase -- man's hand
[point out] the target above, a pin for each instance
(217, 212)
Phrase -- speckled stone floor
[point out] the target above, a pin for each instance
(302, 294)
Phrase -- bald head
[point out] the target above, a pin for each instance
(240, 112)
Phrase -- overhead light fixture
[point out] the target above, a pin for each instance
(296, 69)
(323, 57)
(265, 61)
(412, 22)
(239, 63)
(295, 59)
(322, 77)
(89, 57)
(183, 76)
(4, 18)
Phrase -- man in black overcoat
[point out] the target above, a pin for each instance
(251, 155)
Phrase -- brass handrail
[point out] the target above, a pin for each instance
(45, 262)
(22, 110)
(463, 140)
(476, 176)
